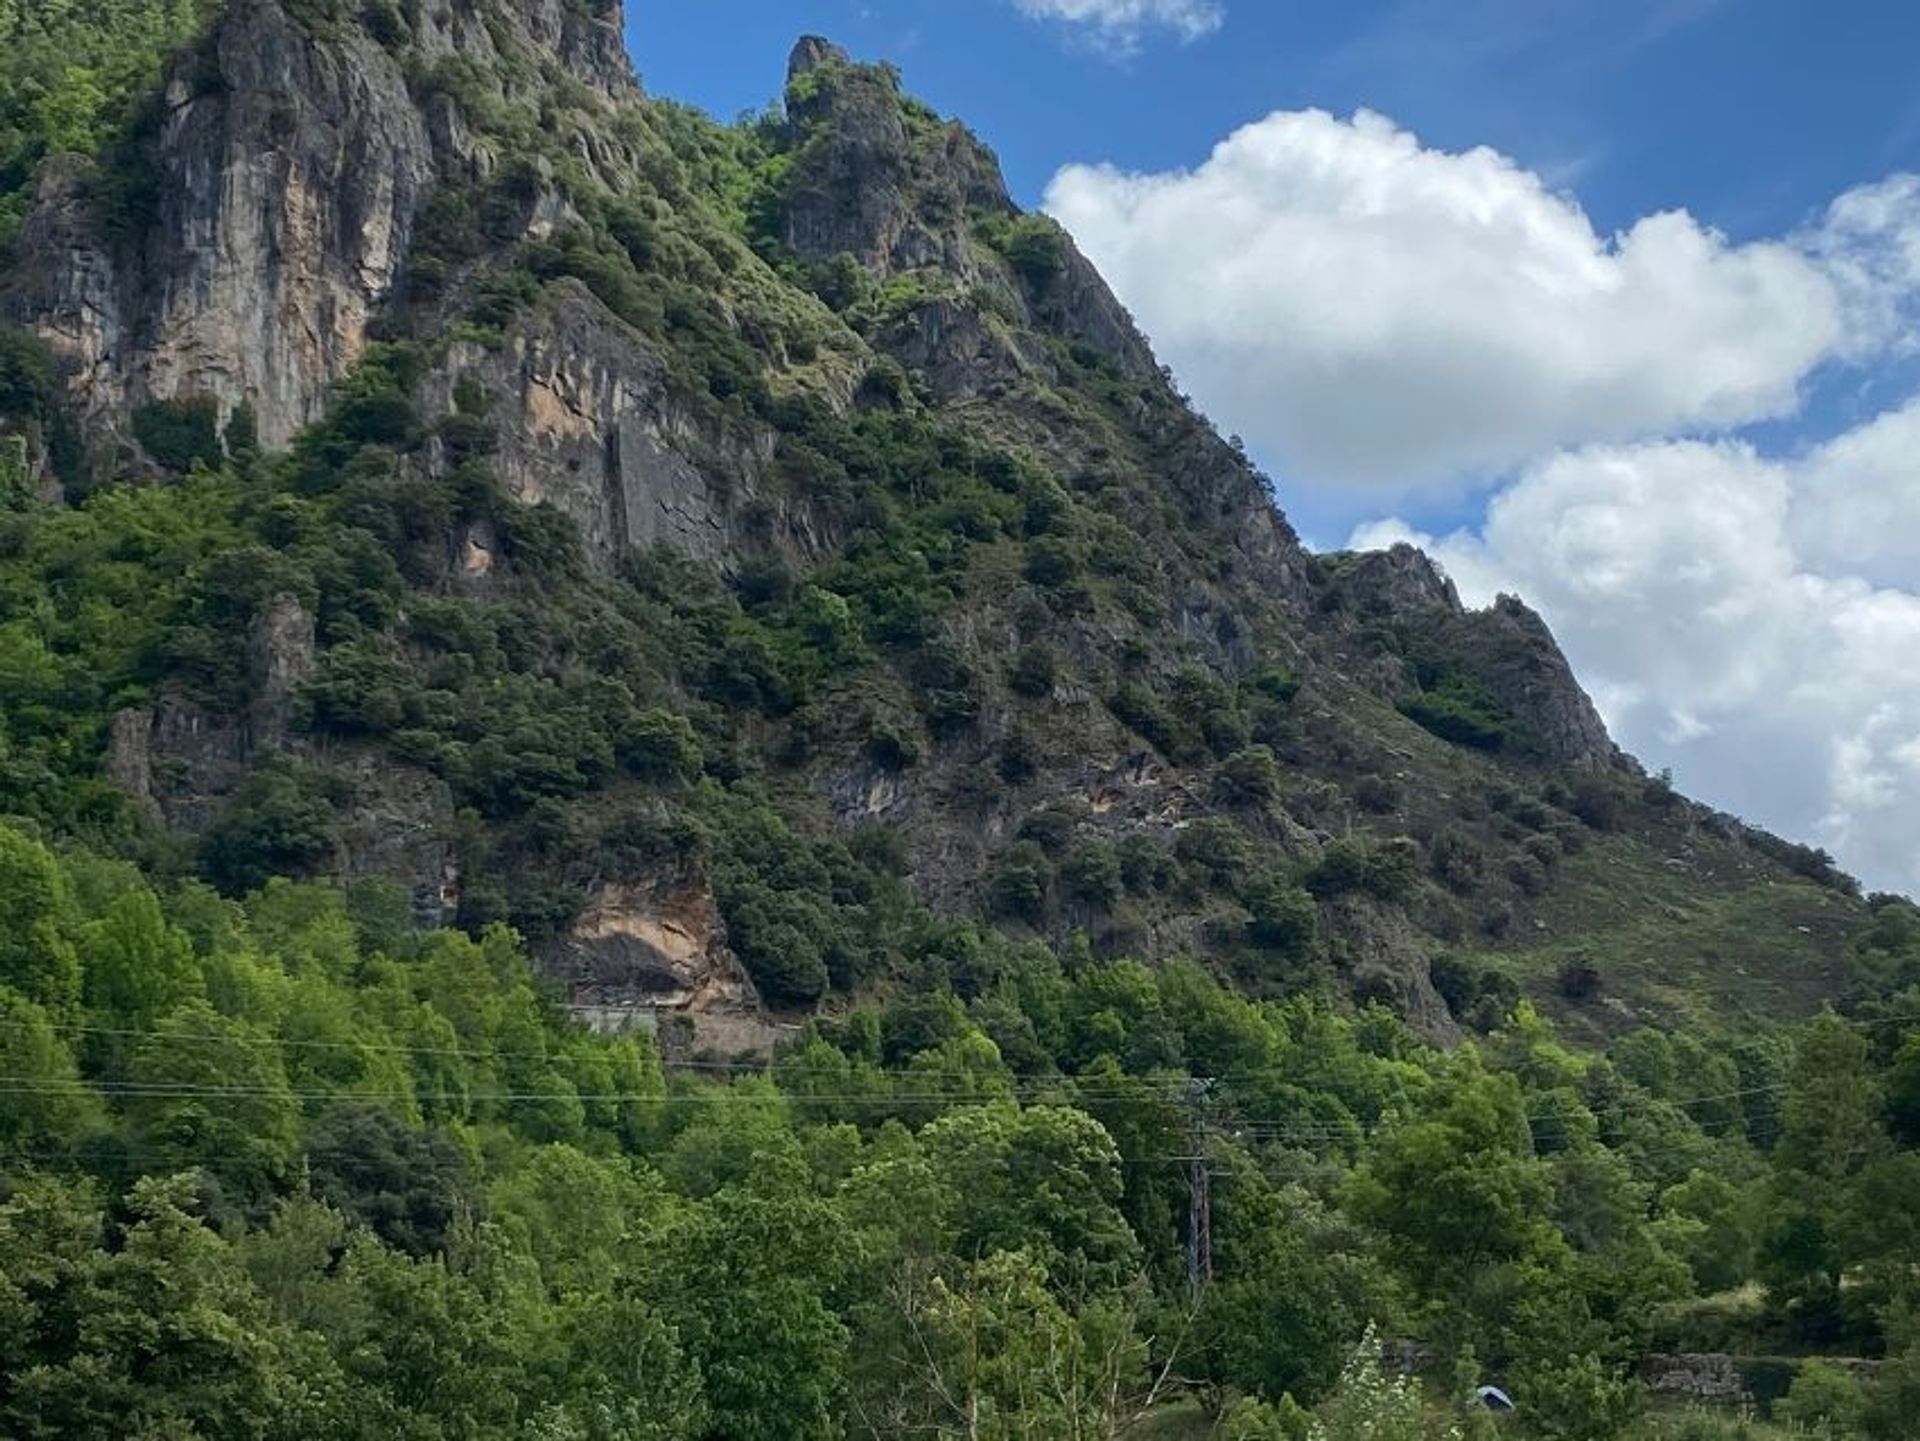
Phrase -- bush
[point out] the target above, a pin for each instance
(1460, 710)
(1378, 795)
(1250, 776)
(1582, 1399)
(1283, 917)
(1032, 672)
(1218, 850)
(1054, 564)
(1273, 684)
(1825, 1400)
(1091, 873)
(1579, 981)
(1455, 861)
(1019, 758)
(1019, 883)
(776, 935)
(658, 745)
(180, 434)
(280, 823)
(1596, 801)
(1143, 712)
(1344, 866)
(1146, 866)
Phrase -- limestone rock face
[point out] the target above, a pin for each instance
(1506, 648)
(264, 262)
(958, 349)
(1509, 650)
(592, 426)
(1402, 581)
(1526, 668)
(651, 946)
(283, 659)
(891, 188)
(287, 172)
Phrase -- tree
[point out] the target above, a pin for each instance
(1831, 1131)
(161, 1335)
(1711, 1223)
(1832, 1121)
(626, 1378)
(1282, 917)
(407, 1186)
(1580, 1399)
(1370, 1405)
(1462, 1202)
(208, 1091)
(1823, 1401)
(38, 957)
(989, 1351)
(1279, 1324)
(137, 966)
(1458, 1188)
(744, 1278)
(1046, 1181)
(48, 1111)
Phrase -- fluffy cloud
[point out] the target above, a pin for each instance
(1711, 599)
(1119, 25)
(1363, 309)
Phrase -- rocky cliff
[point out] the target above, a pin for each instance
(778, 545)
(279, 176)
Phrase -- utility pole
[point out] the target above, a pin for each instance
(1199, 1222)
(1199, 1194)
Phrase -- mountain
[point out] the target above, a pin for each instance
(612, 497)
(484, 548)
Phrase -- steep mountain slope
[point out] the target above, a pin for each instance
(442, 486)
(745, 558)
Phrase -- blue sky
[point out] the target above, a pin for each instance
(1614, 304)
(1782, 103)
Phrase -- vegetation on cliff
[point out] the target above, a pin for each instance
(1089, 834)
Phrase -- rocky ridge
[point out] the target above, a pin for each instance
(305, 171)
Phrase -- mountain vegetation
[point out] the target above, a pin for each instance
(655, 784)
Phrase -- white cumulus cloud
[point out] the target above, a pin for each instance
(1711, 599)
(1364, 309)
(1120, 25)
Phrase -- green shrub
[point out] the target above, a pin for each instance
(1250, 776)
(1384, 872)
(658, 745)
(1032, 673)
(1218, 850)
(1824, 1400)
(180, 434)
(1458, 708)
(1019, 883)
(279, 823)
(1091, 873)
(1282, 915)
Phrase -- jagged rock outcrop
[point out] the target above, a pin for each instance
(597, 429)
(264, 260)
(1506, 649)
(891, 187)
(282, 658)
(1510, 650)
(284, 174)
(1399, 581)
(650, 947)
(593, 423)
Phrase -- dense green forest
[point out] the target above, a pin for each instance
(278, 1160)
(288, 1167)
